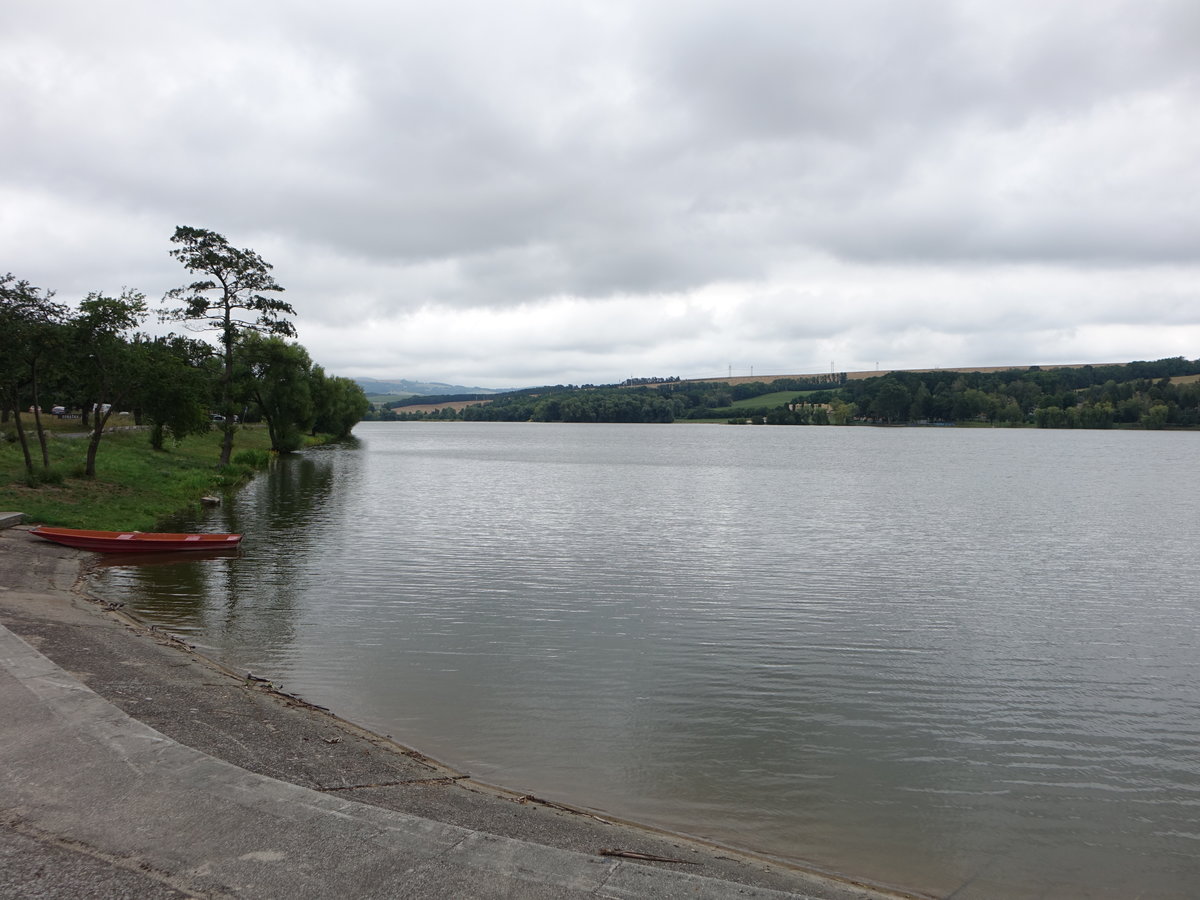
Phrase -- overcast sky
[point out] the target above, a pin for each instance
(519, 193)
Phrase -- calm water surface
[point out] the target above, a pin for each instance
(961, 661)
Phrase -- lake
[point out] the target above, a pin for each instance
(962, 661)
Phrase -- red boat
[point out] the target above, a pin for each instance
(135, 541)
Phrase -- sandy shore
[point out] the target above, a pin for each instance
(161, 682)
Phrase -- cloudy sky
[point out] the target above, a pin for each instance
(528, 192)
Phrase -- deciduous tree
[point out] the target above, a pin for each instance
(175, 386)
(237, 297)
(275, 374)
(31, 326)
(106, 360)
(339, 403)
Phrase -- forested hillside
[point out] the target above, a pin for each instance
(1159, 394)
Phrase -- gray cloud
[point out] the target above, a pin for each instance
(802, 180)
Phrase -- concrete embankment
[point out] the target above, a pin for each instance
(132, 766)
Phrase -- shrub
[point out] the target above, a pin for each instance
(253, 459)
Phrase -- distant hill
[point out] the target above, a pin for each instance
(404, 387)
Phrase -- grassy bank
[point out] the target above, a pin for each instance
(135, 486)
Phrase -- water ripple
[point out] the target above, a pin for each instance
(907, 654)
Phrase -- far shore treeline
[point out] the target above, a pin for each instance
(1160, 394)
(91, 362)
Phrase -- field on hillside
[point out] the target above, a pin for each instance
(434, 407)
(776, 399)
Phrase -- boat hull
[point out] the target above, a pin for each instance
(135, 541)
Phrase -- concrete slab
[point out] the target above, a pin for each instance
(9, 519)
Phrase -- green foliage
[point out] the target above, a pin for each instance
(235, 298)
(339, 404)
(1156, 416)
(31, 336)
(94, 363)
(277, 376)
(841, 412)
(1084, 397)
(750, 389)
(174, 388)
(641, 405)
(234, 301)
(105, 361)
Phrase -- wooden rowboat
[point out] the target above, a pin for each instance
(135, 541)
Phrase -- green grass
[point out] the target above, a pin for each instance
(135, 486)
(769, 401)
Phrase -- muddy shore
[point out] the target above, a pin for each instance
(161, 682)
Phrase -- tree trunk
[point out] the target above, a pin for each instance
(21, 435)
(94, 442)
(37, 423)
(227, 442)
(227, 391)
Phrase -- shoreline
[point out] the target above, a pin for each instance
(158, 680)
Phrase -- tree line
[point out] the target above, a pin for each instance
(1136, 394)
(93, 358)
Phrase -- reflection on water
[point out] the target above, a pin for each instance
(962, 661)
(169, 558)
(249, 597)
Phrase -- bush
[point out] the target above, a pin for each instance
(253, 459)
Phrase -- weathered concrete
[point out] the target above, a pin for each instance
(130, 766)
(9, 519)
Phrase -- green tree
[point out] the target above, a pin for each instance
(922, 402)
(892, 402)
(105, 359)
(235, 299)
(1155, 417)
(1010, 413)
(31, 329)
(339, 403)
(547, 410)
(1095, 415)
(969, 404)
(275, 374)
(841, 413)
(174, 386)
